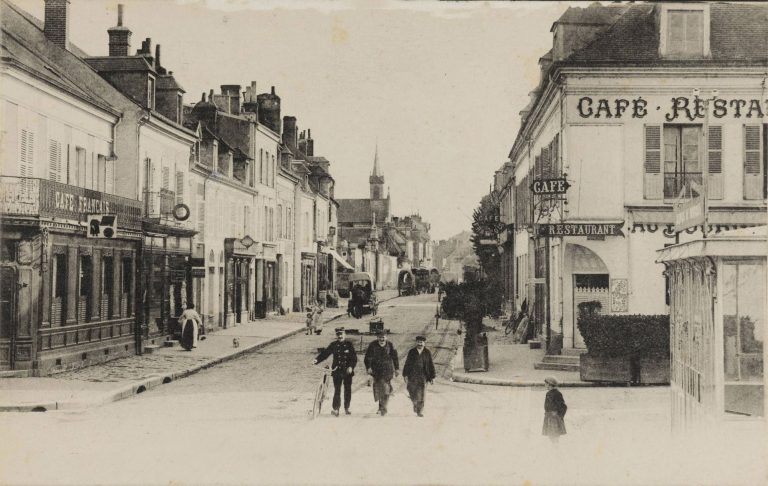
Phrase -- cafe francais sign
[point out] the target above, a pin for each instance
(541, 187)
(581, 229)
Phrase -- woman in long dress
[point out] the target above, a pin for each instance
(190, 321)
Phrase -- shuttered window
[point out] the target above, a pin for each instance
(110, 176)
(26, 153)
(166, 178)
(201, 219)
(179, 187)
(753, 180)
(54, 160)
(652, 177)
(715, 162)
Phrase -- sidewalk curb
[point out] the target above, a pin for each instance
(154, 380)
(462, 378)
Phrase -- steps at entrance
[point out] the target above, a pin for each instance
(151, 348)
(558, 363)
(572, 351)
(14, 373)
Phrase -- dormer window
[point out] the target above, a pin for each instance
(684, 31)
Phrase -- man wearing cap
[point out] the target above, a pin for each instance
(382, 364)
(417, 372)
(344, 361)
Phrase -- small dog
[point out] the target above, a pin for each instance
(236, 342)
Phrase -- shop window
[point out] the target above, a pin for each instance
(743, 335)
(107, 285)
(85, 286)
(59, 290)
(126, 289)
(7, 250)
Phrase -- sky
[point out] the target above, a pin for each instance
(438, 87)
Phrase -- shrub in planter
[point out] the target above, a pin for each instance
(638, 339)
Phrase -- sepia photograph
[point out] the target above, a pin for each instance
(383, 242)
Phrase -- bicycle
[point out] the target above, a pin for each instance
(511, 323)
(321, 391)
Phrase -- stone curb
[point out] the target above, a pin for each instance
(463, 378)
(154, 380)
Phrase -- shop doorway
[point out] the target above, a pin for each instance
(589, 282)
(8, 316)
(269, 286)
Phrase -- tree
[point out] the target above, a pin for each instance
(486, 226)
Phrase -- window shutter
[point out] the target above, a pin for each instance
(26, 152)
(652, 179)
(54, 160)
(715, 162)
(201, 219)
(179, 187)
(545, 163)
(110, 176)
(166, 178)
(753, 180)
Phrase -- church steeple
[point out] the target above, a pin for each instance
(377, 178)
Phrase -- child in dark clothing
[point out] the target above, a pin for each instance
(554, 411)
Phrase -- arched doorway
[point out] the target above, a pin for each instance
(589, 279)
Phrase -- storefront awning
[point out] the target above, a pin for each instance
(339, 259)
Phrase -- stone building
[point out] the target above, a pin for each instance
(638, 105)
(94, 263)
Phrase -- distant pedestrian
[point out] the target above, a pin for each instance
(417, 372)
(190, 322)
(382, 364)
(554, 411)
(344, 362)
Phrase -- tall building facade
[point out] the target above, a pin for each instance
(637, 106)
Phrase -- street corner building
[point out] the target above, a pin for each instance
(639, 108)
(121, 205)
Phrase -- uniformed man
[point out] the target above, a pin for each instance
(344, 361)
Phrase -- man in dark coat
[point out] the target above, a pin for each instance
(382, 364)
(344, 361)
(417, 372)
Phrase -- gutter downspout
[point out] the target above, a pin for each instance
(141, 328)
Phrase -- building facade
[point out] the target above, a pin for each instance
(631, 130)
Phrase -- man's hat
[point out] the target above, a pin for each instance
(380, 333)
(421, 338)
(339, 329)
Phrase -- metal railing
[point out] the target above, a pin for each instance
(673, 183)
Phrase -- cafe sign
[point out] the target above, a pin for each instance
(581, 229)
(546, 187)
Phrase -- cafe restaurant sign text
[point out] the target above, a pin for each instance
(669, 109)
(581, 229)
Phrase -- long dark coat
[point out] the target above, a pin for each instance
(417, 368)
(554, 412)
(344, 356)
(381, 360)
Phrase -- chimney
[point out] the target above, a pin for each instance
(289, 132)
(119, 36)
(249, 102)
(310, 144)
(57, 22)
(233, 92)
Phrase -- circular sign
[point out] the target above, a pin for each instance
(181, 212)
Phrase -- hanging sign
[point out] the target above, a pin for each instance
(102, 226)
(581, 229)
(549, 186)
(689, 212)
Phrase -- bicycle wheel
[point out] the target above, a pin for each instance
(508, 327)
(317, 405)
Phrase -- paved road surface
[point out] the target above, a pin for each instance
(246, 422)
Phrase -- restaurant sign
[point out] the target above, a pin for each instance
(581, 229)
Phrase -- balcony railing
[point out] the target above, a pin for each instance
(673, 183)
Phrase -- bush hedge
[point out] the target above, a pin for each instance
(633, 336)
